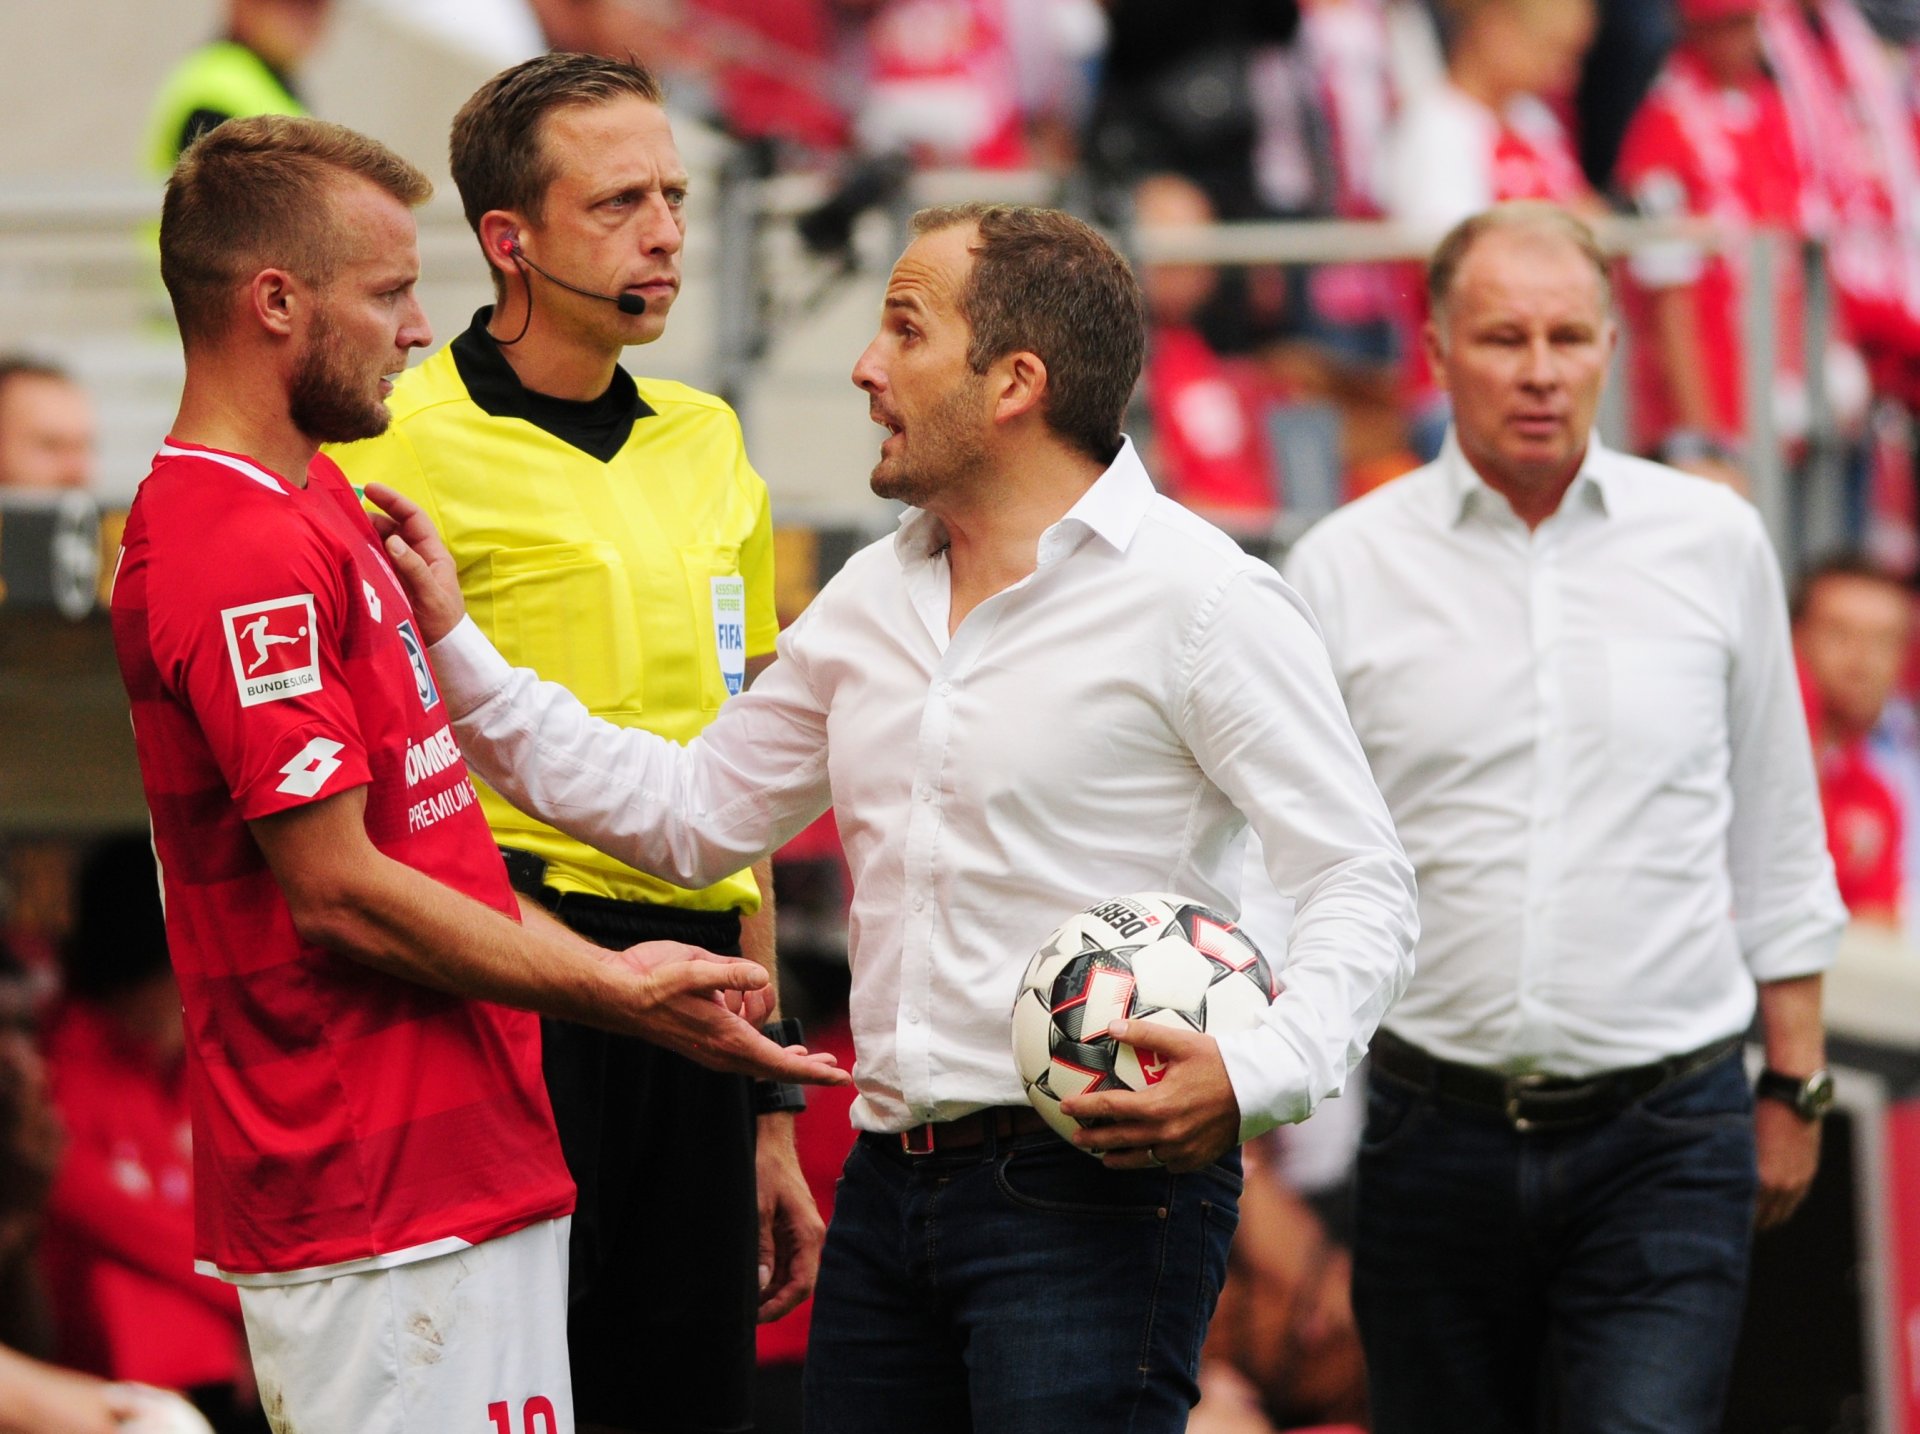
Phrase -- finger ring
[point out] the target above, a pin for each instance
(1153, 1158)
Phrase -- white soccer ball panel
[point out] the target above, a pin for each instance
(1032, 1035)
(159, 1411)
(1170, 973)
(1062, 1124)
(1239, 1003)
(1138, 1070)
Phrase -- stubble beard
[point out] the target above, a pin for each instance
(953, 453)
(328, 400)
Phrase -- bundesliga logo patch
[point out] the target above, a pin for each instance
(275, 647)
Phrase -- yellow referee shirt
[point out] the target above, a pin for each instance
(621, 547)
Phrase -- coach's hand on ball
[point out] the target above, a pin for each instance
(1185, 1121)
(420, 560)
(709, 1009)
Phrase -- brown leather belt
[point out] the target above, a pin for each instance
(1539, 1102)
(966, 1132)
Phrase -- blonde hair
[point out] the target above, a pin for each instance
(256, 193)
(1532, 217)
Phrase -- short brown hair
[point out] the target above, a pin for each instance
(13, 366)
(1521, 215)
(1846, 564)
(496, 151)
(1044, 282)
(253, 194)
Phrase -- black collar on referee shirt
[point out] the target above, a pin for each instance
(599, 426)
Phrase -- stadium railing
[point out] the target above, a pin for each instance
(772, 281)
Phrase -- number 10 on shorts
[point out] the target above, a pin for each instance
(536, 1416)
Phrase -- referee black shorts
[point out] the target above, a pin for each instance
(664, 1264)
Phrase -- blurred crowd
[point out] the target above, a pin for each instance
(1279, 390)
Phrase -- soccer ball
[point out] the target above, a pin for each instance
(158, 1411)
(1148, 957)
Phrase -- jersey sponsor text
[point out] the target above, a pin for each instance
(440, 806)
(431, 755)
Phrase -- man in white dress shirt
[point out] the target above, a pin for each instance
(1051, 686)
(1570, 670)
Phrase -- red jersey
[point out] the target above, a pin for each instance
(1727, 154)
(1533, 158)
(1213, 454)
(1863, 171)
(339, 1114)
(1863, 830)
(118, 1246)
(941, 81)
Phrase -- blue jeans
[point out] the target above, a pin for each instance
(1587, 1281)
(1021, 1288)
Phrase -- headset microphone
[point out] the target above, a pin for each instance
(625, 303)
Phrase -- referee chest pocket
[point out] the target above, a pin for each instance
(717, 598)
(566, 611)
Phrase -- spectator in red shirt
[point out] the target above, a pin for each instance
(1489, 132)
(1711, 141)
(1211, 452)
(1850, 630)
(119, 1240)
(1862, 194)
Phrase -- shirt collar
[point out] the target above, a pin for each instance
(1465, 489)
(598, 426)
(1111, 510)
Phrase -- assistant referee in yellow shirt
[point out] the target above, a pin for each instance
(611, 535)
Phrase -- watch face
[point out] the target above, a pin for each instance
(1816, 1095)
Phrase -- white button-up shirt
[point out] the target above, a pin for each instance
(1096, 729)
(1592, 742)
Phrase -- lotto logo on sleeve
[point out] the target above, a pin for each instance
(275, 647)
(308, 769)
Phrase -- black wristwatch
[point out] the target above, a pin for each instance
(773, 1096)
(1810, 1098)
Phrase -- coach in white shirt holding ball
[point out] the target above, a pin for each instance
(1571, 673)
(1051, 686)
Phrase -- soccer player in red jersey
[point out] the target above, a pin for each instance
(375, 1156)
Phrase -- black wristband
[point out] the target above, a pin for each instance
(784, 1032)
(771, 1097)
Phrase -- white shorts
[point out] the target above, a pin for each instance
(473, 1340)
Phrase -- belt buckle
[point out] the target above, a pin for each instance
(1517, 1090)
(907, 1136)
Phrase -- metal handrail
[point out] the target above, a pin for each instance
(94, 234)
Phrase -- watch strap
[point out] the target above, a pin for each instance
(772, 1097)
(1808, 1096)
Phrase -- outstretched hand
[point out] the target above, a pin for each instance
(684, 1006)
(420, 560)
(1185, 1121)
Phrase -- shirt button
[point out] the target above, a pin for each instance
(926, 794)
(946, 689)
(919, 903)
(913, 1018)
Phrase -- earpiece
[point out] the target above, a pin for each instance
(624, 302)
